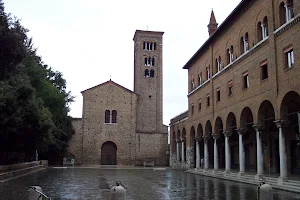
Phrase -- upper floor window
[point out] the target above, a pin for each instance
(150, 46)
(245, 80)
(230, 88)
(199, 104)
(114, 116)
(107, 116)
(149, 61)
(208, 100)
(110, 117)
(218, 64)
(208, 73)
(244, 43)
(149, 73)
(286, 11)
(192, 109)
(152, 73)
(200, 80)
(230, 55)
(264, 70)
(289, 58)
(265, 31)
(218, 95)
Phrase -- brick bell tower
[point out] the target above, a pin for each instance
(151, 135)
(148, 80)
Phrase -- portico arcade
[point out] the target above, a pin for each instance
(263, 144)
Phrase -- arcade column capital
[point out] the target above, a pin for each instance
(241, 131)
(227, 133)
(198, 139)
(280, 123)
(182, 139)
(206, 137)
(215, 135)
(257, 127)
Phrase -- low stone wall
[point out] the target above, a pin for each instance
(6, 168)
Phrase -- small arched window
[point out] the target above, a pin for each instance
(242, 45)
(152, 73)
(114, 116)
(265, 27)
(146, 73)
(259, 32)
(154, 45)
(246, 40)
(282, 13)
(107, 116)
(153, 61)
(146, 61)
(228, 56)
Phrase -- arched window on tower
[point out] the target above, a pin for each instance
(144, 45)
(146, 73)
(152, 73)
(146, 61)
(107, 116)
(150, 46)
(149, 61)
(114, 116)
(228, 56)
(154, 45)
(153, 61)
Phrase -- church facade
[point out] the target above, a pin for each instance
(124, 127)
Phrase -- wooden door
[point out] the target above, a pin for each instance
(109, 154)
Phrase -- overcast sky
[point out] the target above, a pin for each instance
(89, 40)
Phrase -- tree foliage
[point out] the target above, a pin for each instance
(34, 103)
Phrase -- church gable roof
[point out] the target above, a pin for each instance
(109, 82)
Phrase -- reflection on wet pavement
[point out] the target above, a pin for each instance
(141, 184)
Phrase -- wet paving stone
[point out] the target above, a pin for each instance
(141, 184)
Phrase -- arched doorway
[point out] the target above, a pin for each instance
(234, 140)
(109, 153)
(192, 148)
(249, 139)
(290, 112)
(269, 137)
(220, 142)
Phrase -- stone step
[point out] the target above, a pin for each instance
(19, 172)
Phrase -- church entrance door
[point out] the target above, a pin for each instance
(109, 153)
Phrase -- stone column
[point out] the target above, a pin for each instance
(206, 156)
(227, 134)
(263, 31)
(241, 131)
(282, 152)
(182, 150)
(259, 162)
(177, 151)
(197, 152)
(216, 156)
(287, 13)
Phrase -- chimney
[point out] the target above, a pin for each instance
(213, 25)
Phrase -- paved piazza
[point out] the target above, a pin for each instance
(141, 184)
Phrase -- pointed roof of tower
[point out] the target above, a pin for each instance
(212, 18)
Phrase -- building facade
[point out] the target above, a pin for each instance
(124, 127)
(244, 103)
